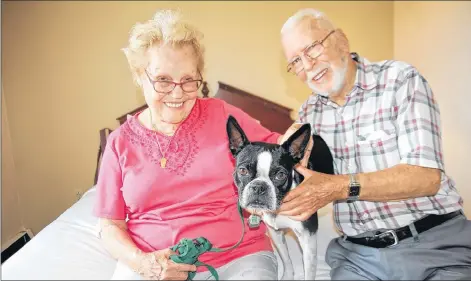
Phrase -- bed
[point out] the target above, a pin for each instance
(68, 248)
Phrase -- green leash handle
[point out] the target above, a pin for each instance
(189, 250)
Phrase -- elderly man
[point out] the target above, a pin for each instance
(399, 213)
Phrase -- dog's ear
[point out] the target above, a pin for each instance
(296, 144)
(237, 137)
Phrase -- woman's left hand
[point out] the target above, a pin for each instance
(316, 191)
(170, 269)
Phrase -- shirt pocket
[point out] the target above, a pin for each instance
(377, 150)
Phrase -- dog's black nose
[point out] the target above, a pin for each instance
(259, 188)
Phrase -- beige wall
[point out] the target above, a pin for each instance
(65, 77)
(436, 38)
(11, 212)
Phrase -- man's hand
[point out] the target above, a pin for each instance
(291, 130)
(316, 191)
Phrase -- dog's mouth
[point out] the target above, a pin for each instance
(258, 205)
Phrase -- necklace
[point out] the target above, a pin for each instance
(163, 160)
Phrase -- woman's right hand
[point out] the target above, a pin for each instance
(158, 266)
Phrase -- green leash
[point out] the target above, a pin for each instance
(189, 250)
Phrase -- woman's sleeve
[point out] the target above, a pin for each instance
(252, 127)
(109, 202)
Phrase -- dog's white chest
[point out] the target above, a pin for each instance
(308, 243)
(281, 222)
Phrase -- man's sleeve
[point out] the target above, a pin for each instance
(418, 121)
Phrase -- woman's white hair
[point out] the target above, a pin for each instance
(315, 17)
(167, 27)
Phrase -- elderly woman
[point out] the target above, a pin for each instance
(166, 173)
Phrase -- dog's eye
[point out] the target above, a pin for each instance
(243, 171)
(280, 176)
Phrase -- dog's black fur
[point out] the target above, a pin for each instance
(321, 161)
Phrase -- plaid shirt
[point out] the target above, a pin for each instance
(390, 117)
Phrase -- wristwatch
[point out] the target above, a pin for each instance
(353, 189)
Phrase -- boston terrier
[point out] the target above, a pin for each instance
(264, 174)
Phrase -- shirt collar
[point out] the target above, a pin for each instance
(365, 79)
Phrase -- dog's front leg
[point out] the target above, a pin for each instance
(279, 240)
(309, 246)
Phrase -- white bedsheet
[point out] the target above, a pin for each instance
(65, 249)
(68, 249)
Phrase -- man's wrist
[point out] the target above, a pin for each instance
(342, 187)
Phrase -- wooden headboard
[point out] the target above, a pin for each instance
(273, 116)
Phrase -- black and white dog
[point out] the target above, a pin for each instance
(265, 173)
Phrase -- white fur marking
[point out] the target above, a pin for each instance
(293, 184)
(264, 160)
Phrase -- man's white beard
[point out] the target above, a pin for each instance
(338, 81)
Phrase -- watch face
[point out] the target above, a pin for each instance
(354, 190)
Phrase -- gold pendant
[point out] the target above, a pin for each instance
(163, 162)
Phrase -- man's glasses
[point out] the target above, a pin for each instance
(312, 52)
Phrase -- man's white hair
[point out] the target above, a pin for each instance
(321, 20)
